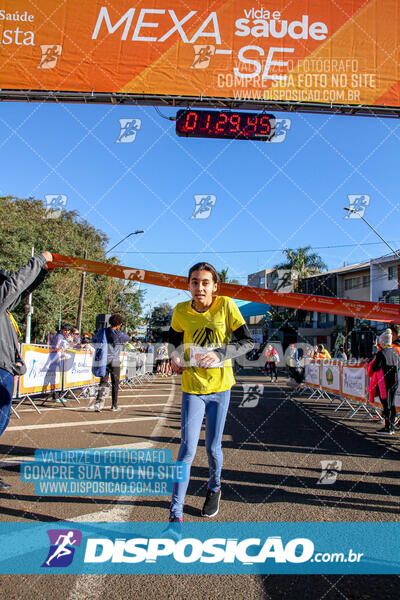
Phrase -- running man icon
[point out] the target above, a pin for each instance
(204, 205)
(61, 553)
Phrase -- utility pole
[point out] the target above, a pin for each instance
(81, 296)
(29, 312)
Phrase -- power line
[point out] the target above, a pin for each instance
(256, 251)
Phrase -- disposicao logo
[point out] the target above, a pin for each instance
(191, 550)
(62, 547)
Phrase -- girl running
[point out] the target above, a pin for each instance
(204, 325)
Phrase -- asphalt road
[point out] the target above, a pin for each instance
(274, 443)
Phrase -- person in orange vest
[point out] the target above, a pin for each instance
(323, 352)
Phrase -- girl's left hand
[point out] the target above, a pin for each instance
(208, 360)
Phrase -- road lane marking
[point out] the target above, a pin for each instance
(92, 586)
(91, 408)
(80, 423)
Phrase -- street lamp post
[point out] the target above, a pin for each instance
(123, 239)
(353, 210)
(29, 312)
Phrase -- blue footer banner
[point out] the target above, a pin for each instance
(154, 548)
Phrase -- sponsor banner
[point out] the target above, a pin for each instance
(330, 377)
(43, 370)
(312, 373)
(388, 313)
(354, 382)
(280, 51)
(250, 548)
(77, 370)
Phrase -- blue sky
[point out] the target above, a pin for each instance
(268, 196)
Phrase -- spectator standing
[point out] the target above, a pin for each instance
(395, 329)
(115, 340)
(13, 287)
(387, 362)
(63, 339)
(340, 354)
(76, 338)
(85, 342)
(61, 342)
(272, 358)
(150, 356)
(323, 352)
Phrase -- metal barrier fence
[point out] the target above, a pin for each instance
(345, 382)
(51, 371)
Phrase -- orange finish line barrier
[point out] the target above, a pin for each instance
(374, 311)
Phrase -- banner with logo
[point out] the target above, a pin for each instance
(296, 51)
(77, 369)
(354, 382)
(206, 548)
(375, 311)
(330, 377)
(43, 370)
(312, 373)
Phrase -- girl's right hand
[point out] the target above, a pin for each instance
(177, 362)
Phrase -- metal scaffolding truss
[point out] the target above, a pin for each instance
(196, 101)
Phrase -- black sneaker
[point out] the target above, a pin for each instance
(211, 504)
(4, 485)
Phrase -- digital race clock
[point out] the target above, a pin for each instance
(225, 124)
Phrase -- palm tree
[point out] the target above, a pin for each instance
(302, 263)
(223, 276)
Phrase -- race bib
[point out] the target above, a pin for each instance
(196, 352)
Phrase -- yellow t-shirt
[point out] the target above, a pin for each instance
(211, 329)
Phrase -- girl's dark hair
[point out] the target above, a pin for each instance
(203, 266)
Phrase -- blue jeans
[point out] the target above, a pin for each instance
(215, 406)
(6, 392)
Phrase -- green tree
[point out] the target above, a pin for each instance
(302, 263)
(24, 224)
(223, 276)
(160, 319)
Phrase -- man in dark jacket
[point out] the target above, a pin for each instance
(387, 360)
(115, 340)
(12, 288)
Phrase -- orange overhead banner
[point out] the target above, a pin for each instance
(342, 51)
(374, 311)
